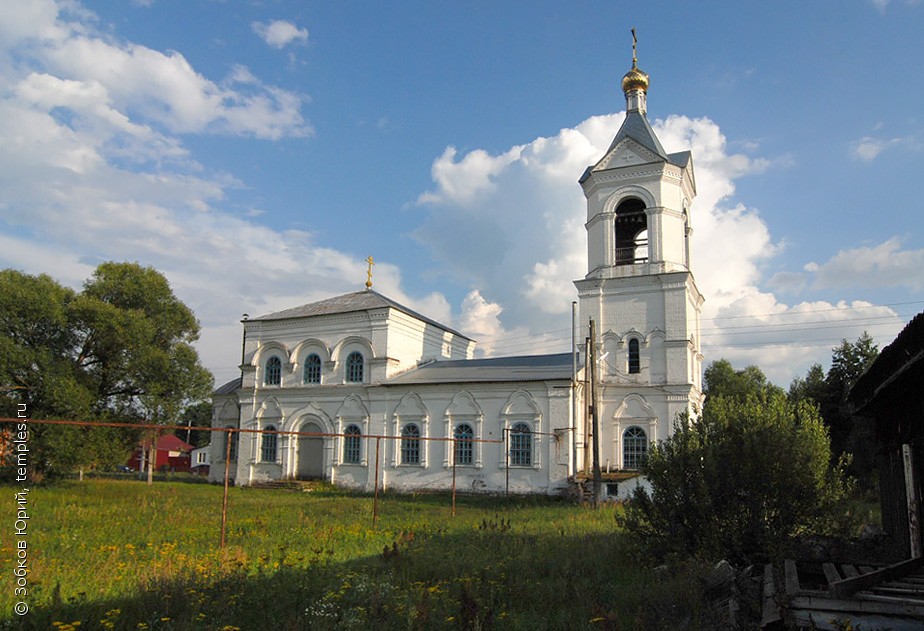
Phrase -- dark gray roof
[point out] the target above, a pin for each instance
(347, 303)
(637, 128)
(228, 388)
(681, 158)
(522, 368)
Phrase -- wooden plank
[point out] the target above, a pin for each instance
(846, 587)
(898, 591)
(770, 614)
(830, 571)
(911, 496)
(902, 601)
(849, 571)
(903, 584)
(856, 606)
(791, 576)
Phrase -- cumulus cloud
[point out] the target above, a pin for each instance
(512, 226)
(526, 200)
(280, 33)
(882, 265)
(137, 82)
(93, 167)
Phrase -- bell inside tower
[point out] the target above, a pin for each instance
(631, 232)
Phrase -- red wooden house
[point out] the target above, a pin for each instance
(171, 454)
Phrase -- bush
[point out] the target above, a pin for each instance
(740, 481)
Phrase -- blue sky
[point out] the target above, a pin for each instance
(257, 152)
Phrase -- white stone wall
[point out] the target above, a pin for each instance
(438, 409)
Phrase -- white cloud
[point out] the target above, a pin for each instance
(882, 265)
(511, 225)
(280, 33)
(92, 168)
(784, 340)
(61, 43)
(868, 148)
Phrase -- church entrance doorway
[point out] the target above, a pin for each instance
(310, 453)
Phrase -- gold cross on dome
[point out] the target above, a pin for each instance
(369, 272)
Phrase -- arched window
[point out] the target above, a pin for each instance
(232, 436)
(268, 444)
(351, 444)
(521, 445)
(312, 369)
(634, 363)
(272, 374)
(631, 232)
(464, 445)
(354, 367)
(634, 448)
(410, 444)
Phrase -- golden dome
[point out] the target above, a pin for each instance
(635, 79)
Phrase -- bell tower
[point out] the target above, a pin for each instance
(639, 287)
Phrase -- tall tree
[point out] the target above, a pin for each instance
(121, 349)
(810, 388)
(720, 379)
(849, 360)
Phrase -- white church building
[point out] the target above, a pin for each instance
(359, 390)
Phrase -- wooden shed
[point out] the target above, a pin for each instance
(891, 396)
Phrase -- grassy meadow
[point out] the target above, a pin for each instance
(116, 554)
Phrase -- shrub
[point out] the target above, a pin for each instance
(740, 481)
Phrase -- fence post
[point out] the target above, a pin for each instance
(375, 495)
(454, 476)
(229, 436)
(506, 464)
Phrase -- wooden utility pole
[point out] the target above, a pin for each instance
(595, 418)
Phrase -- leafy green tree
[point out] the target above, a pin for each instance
(721, 379)
(740, 481)
(849, 360)
(198, 415)
(121, 349)
(811, 388)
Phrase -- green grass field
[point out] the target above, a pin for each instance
(109, 554)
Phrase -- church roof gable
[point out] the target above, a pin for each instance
(348, 303)
(636, 143)
(637, 127)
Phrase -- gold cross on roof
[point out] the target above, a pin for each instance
(369, 272)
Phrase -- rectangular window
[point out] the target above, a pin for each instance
(521, 446)
(410, 444)
(268, 446)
